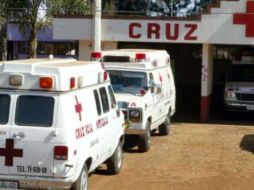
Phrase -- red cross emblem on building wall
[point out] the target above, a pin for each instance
(246, 18)
(9, 152)
(78, 108)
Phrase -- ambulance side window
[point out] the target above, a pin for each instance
(34, 111)
(112, 97)
(4, 108)
(104, 100)
(97, 101)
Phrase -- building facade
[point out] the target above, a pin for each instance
(201, 49)
(18, 44)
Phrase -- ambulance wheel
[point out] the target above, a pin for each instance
(164, 128)
(144, 141)
(82, 182)
(114, 163)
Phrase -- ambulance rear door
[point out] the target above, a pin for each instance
(5, 129)
(33, 133)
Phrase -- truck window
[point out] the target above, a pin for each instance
(4, 108)
(104, 100)
(34, 111)
(112, 97)
(241, 73)
(97, 101)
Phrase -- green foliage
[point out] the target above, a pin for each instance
(69, 7)
(161, 7)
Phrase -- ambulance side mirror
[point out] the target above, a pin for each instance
(152, 86)
(155, 88)
(158, 89)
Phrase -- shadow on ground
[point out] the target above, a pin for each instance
(247, 143)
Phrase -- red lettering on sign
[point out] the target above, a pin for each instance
(192, 29)
(175, 34)
(172, 31)
(153, 29)
(9, 152)
(246, 19)
(131, 30)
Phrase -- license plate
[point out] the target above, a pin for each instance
(250, 107)
(4, 184)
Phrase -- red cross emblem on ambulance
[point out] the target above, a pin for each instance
(246, 19)
(78, 108)
(10, 152)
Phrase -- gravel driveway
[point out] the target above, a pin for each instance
(194, 157)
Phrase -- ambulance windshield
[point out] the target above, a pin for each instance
(241, 73)
(128, 82)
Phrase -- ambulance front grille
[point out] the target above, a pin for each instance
(245, 97)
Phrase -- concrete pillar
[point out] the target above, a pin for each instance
(206, 81)
(97, 25)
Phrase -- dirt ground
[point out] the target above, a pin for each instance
(194, 157)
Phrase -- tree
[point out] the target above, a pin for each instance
(31, 19)
(188, 7)
(108, 7)
(69, 7)
(161, 7)
(3, 36)
(31, 16)
(6, 16)
(38, 15)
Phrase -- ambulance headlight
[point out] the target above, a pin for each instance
(229, 94)
(135, 115)
(16, 80)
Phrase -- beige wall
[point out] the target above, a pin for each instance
(85, 48)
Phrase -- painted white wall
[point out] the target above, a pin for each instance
(72, 29)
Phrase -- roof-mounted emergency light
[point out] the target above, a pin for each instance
(16, 80)
(140, 57)
(95, 56)
(46, 82)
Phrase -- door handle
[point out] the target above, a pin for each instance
(19, 135)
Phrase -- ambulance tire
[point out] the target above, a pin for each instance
(144, 141)
(82, 181)
(114, 163)
(164, 128)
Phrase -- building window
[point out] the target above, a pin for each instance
(23, 47)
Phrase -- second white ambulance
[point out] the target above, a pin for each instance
(239, 86)
(58, 122)
(143, 82)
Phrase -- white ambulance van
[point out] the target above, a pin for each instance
(239, 87)
(58, 122)
(144, 86)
